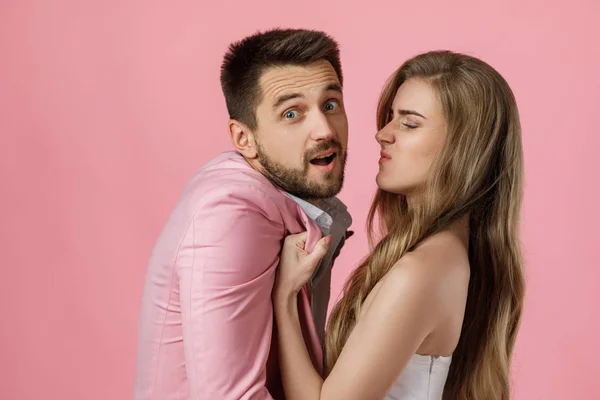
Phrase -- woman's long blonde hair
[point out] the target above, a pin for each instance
(478, 173)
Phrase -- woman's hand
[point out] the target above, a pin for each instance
(296, 265)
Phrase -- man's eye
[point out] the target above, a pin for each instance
(331, 105)
(290, 114)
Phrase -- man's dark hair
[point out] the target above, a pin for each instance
(246, 60)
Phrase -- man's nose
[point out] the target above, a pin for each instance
(322, 130)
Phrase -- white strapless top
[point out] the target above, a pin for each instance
(423, 379)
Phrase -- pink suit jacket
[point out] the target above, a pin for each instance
(206, 328)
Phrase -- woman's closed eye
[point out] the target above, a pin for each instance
(410, 123)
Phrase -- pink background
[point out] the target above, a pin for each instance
(106, 109)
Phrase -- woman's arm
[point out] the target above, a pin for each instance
(401, 315)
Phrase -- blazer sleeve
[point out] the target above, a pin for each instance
(233, 245)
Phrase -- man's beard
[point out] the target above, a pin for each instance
(295, 180)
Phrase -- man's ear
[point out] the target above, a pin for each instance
(242, 139)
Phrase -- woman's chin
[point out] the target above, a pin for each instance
(390, 187)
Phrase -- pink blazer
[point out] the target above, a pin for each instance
(206, 328)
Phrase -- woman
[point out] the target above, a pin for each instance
(433, 311)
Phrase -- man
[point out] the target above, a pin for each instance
(206, 326)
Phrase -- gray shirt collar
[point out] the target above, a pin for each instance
(319, 215)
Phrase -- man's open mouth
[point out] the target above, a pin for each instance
(324, 159)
